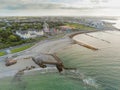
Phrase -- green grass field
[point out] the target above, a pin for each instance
(17, 49)
(79, 26)
(21, 48)
(2, 53)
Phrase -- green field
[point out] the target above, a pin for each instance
(2, 53)
(79, 26)
(21, 48)
(15, 50)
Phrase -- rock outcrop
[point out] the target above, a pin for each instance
(10, 62)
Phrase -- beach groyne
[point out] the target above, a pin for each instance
(81, 43)
(86, 45)
(97, 38)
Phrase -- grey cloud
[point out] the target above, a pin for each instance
(42, 4)
(29, 4)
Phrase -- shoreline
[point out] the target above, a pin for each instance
(45, 46)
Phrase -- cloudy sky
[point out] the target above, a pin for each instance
(53, 7)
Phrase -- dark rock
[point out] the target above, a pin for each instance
(10, 62)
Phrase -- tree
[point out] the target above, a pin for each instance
(12, 38)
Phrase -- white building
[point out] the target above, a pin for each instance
(93, 23)
(97, 24)
(29, 34)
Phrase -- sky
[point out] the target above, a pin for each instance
(56, 7)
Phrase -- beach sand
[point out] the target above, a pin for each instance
(24, 59)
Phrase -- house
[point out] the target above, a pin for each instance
(29, 33)
(97, 24)
(93, 23)
(66, 28)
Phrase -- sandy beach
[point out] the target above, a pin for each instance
(24, 59)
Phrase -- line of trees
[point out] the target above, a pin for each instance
(8, 38)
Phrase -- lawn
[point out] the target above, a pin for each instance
(79, 26)
(2, 53)
(21, 48)
(18, 49)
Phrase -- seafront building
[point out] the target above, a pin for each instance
(29, 33)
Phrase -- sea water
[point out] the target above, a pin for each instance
(116, 22)
(99, 68)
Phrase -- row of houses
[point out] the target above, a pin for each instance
(92, 23)
(33, 33)
(51, 31)
(44, 32)
(29, 34)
